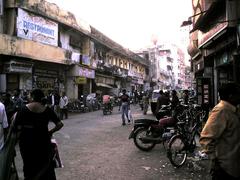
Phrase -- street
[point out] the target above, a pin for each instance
(96, 147)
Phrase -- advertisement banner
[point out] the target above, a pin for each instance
(36, 28)
(84, 72)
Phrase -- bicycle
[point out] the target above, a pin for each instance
(184, 141)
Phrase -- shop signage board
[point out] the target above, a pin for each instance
(84, 72)
(80, 80)
(36, 28)
(18, 67)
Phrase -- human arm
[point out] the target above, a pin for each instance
(4, 122)
(58, 123)
(52, 96)
(57, 127)
(66, 101)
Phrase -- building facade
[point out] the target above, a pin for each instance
(42, 46)
(214, 46)
(167, 67)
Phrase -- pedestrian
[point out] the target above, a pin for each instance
(174, 100)
(125, 105)
(162, 100)
(18, 102)
(119, 101)
(3, 125)
(220, 137)
(9, 106)
(31, 123)
(55, 99)
(63, 106)
(185, 96)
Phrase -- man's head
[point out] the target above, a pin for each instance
(230, 92)
(124, 91)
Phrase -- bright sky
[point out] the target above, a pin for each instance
(132, 23)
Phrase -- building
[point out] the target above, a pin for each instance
(42, 46)
(214, 46)
(167, 67)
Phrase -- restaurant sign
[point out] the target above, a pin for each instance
(36, 28)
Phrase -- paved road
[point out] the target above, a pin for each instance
(96, 147)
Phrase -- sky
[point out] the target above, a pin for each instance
(133, 23)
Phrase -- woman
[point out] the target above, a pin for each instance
(35, 138)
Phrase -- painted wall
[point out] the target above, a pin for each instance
(25, 48)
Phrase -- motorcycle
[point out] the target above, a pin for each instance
(146, 133)
(107, 107)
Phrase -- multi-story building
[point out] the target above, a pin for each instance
(42, 46)
(167, 67)
(214, 46)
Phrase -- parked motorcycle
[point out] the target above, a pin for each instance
(146, 133)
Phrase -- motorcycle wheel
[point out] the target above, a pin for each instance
(104, 112)
(177, 153)
(143, 132)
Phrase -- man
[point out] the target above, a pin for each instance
(63, 106)
(125, 106)
(162, 100)
(107, 102)
(3, 124)
(220, 137)
(17, 100)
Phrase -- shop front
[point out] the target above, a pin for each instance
(16, 74)
(104, 84)
(79, 81)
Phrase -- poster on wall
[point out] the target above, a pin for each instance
(36, 28)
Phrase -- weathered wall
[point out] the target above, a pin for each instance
(30, 49)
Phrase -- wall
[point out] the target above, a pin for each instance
(26, 48)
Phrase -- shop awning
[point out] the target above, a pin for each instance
(104, 85)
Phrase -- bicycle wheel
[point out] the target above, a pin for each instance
(177, 153)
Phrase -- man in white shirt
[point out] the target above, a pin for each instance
(63, 106)
(3, 124)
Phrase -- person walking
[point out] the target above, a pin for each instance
(3, 124)
(63, 106)
(9, 106)
(17, 100)
(31, 123)
(162, 100)
(174, 100)
(220, 137)
(125, 106)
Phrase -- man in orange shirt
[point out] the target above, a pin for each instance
(220, 137)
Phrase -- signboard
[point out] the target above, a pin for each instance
(80, 80)
(205, 37)
(36, 28)
(18, 67)
(84, 72)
